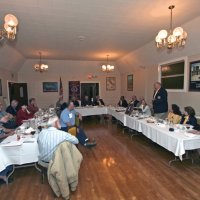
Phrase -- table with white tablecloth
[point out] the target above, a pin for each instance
(26, 150)
(176, 142)
(14, 152)
(92, 110)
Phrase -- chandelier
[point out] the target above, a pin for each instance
(40, 67)
(107, 67)
(172, 38)
(9, 30)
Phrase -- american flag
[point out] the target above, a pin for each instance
(61, 88)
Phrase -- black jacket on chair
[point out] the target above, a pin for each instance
(160, 103)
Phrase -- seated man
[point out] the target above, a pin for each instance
(67, 120)
(122, 102)
(12, 108)
(134, 101)
(86, 102)
(23, 114)
(32, 107)
(9, 120)
(98, 101)
(50, 138)
(4, 132)
(75, 101)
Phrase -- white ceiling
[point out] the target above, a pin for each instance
(113, 27)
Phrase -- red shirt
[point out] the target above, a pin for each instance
(22, 115)
(32, 108)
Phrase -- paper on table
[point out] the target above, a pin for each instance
(11, 141)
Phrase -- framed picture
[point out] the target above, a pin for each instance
(130, 82)
(50, 86)
(110, 83)
(194, 84)
(173, 75)
(0, 88)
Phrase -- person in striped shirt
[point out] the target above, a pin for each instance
(51, 137)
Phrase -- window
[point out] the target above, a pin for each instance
(173, 76)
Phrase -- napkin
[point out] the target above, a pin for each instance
(29, 130)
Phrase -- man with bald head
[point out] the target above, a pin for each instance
(51, 137)
(160, 102)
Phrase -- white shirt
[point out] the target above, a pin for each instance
(49, 139)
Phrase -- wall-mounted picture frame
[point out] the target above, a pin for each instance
(50, 86)
(1, 88)
(194, 80)
(173, 74)
(130, 82)
(110, 83)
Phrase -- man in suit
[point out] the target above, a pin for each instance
(134, 101)
(86, 101)
(98, 101)
(12, 108)
(160, 102)
(122, 102)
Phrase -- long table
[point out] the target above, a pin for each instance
(26, 151)
(176, 142)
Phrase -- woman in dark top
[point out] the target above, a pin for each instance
(189, 117)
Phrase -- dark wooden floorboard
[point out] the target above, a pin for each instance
(116, 169)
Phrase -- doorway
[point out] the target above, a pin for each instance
(19, 92)
(89, 89)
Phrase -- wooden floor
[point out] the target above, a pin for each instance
(117, 169)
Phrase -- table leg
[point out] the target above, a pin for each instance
(185, 158)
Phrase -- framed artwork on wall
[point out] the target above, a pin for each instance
(173, 75)
(130, 82)
(0, 88)
(194, 81)
(110, 83)
(50, 86)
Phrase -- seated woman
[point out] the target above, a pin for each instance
(145, 108)
(189, 117)
(23, 114)
(174, 114)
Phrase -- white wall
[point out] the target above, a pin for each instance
(143, 63)
(69, 71)
(5, 76)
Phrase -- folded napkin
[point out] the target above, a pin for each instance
(29, 130)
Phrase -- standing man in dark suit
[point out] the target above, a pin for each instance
(160, 102)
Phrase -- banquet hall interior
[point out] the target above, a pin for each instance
(101, 57)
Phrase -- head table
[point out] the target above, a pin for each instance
(25, 150)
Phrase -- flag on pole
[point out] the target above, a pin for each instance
(61, 89)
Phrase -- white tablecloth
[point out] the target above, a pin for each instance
(176, 142)
(94, 110)
(24, 152)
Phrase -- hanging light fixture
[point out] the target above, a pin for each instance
(172, 38)
(40, 67)
(107, 67)
(9, 30)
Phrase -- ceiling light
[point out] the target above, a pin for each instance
(40, 67)
(9, 30)
(107, 67)
(172, 38)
